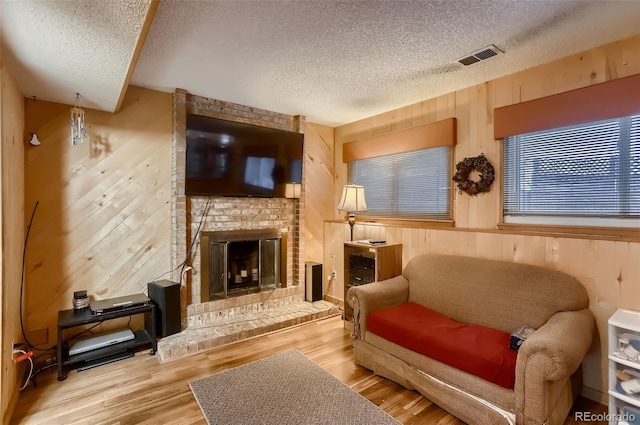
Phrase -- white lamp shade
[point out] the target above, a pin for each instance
(352, 199)
(292, 190)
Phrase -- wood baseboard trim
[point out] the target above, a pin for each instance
(594, 395)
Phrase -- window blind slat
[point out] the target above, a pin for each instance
(589, 170)
(410, 184)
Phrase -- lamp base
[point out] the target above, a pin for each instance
(352, 222)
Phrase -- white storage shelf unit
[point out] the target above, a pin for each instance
(623, 324)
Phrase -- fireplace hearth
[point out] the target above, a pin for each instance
(242, 262)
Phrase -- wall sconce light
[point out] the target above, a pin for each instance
(34, 137)
(292, 190)
(78, 131)
(34, 140)
(352, 200)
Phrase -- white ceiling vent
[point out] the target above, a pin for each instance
(482, 54)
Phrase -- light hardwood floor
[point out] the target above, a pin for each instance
(141, 390)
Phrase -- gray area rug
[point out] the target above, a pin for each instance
(284, 389)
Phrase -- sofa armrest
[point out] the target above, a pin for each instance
(374, 296)
(554, 352)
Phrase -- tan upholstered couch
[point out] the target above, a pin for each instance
(499, 295)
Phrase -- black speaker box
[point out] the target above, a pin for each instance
(165, 294)
(313, 281)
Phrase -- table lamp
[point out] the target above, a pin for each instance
(352, 200)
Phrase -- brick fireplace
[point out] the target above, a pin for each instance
(208, 321)
(192, 215)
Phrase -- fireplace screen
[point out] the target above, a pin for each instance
(244, 262)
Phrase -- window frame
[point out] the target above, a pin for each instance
(389, 219)
(602, 100)
(432, 134)
(603, 228)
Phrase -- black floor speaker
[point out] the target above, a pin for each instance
(313, 281)
(165, 294)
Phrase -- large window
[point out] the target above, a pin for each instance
(587, 174)
(414, 184)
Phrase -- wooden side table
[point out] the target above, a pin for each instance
(365, 263)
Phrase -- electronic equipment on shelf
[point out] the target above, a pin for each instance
(361, 268)
(377, 241)
(104, 360)
(99, 341)
(68, 319)
(372, 242)
(118, 303)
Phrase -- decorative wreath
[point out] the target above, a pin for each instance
(482, 166)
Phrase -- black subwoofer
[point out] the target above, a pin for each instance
(165, 294)
(313, 281)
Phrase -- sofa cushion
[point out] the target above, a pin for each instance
(476, 349)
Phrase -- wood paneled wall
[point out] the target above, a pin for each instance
(103, 218)
(11, 218)
(319, 185)
(609, 270)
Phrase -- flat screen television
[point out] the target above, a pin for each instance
(226, 158)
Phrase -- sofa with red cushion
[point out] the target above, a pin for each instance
(443, 328)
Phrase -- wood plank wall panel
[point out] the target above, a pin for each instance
(319, 182)
(609, 270)
(12, 187)
(103, 219)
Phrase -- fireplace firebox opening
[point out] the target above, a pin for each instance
(242, 262)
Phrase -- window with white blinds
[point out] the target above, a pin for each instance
(414, 184)
(588, 174)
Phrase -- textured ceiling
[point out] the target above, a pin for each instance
(333, 61)
(57, 48)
